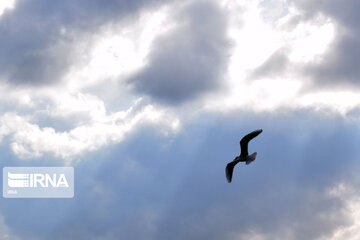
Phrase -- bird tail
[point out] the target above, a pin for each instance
(251, 158)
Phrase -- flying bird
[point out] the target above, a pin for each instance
(244, 155)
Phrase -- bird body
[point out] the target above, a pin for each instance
(244, 155)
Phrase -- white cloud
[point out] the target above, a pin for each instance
(258, 96)
(6, 5)
(341, 102)
(351, 198)
(309, 41)
(29, 140)
(67, 105)
(255, 40)
(15, 97)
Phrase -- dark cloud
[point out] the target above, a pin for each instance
(338, 66)
(37, 37)
(148, 188)
(189, 60)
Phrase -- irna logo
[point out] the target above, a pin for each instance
(36, 180)
(41, 182)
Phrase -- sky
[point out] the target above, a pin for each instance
(148, 101)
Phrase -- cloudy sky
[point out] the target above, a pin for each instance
(148, 100)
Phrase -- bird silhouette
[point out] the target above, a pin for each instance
(244, 155)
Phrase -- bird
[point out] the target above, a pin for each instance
(244, 155)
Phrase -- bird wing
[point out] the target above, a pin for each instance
(229, 170)
(245, 140)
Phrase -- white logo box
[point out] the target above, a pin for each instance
(38, 182)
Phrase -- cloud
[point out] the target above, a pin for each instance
(29, 140)
(276, 65)
(40, 41)
(351, 200)
(337, 67)
(188, 61)
(6, 5)
(320, 39)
